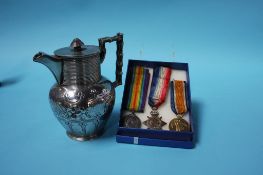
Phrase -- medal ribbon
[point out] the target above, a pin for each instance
(159, 86)
(138, 89)
(178, 97)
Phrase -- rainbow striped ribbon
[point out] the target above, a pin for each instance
(138, 89)
(179, 102)
(159, 86)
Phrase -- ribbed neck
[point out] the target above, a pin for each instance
(82, 72)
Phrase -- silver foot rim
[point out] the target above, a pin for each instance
(83, 138)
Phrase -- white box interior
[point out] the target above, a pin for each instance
(165, 109)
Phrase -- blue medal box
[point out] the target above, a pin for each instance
(165, 137)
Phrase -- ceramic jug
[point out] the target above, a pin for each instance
(82, 99)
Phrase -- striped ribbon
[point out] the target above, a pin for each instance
(138, 89)
(179, 97)
(159, 86)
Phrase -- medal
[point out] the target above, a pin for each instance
(154, 122)
(179, 106)
(137, 96)
(159, 88)
(132, 121)
(179, 124)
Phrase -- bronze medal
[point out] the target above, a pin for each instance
(179, 106)
(136, 100)
(131, 121)
(179, 124)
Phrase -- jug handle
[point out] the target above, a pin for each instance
(119, 62)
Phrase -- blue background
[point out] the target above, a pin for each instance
(221, 40)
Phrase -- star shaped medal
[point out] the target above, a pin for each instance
(159, 88)
(154, 122)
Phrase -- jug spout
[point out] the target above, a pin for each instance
(52, 63)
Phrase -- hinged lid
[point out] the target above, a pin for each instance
(78, 49)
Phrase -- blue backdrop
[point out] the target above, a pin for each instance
(221, 40)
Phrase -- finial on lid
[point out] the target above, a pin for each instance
(77, 44)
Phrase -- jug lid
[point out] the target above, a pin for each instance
(78, 49)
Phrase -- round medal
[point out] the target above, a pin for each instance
(131, 121)
(179, 124)
(136, 100)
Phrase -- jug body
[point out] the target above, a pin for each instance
(83, 110)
